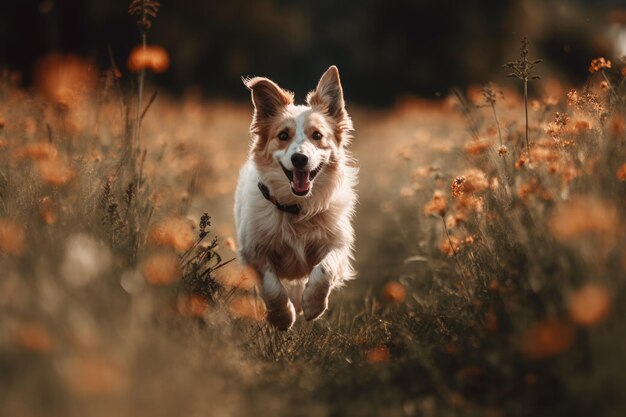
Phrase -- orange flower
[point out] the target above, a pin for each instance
(12, 238)
(235, 275)
(174, 232)
(450, 247)
(458, 186)
(33, 336)
(468, 204)
(151, 57)
(589, 305)
(192, 305)
(54, 172)
(621, 172)
(477, 146)
(36, 151)
(598, 64)
(378, 355)
(437, 206)
(546, 339)
(581, 216)
(247, 306)
(502, 150)
(161, 269)
(394, 292)
(475, 181)
(63, 78)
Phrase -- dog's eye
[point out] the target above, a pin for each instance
(316, 135)
(283, 135)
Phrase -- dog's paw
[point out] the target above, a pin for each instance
(281, 317)
(315, 301)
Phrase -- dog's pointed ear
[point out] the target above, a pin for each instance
(267, 97)
(328, 95)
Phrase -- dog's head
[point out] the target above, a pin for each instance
(299, 142)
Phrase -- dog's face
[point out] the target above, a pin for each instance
(299, 141)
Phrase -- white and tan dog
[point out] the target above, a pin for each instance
(295, 198)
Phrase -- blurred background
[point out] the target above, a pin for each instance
(384, 49)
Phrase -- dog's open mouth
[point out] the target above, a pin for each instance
(301, 180)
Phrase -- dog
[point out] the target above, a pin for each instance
(296, 198)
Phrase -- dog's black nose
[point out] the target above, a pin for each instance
(299, 160)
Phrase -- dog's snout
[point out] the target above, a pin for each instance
(299, 160)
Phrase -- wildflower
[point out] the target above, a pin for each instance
(528, 189)
(151, 57)
(604, 85)
(377, 355)
(621, 172)
(450, 246)
(520, 162)
(36, 151)
(547, 339)
(467, 204)
(476, 146)
(437, 206)
(33, 336)
(54, 172)
(247, 306)
(64, 78)
(586, 101)
(573, 98)
(394, 292)
(598, 64)
(458, 186)
(581, 216)
(174, 232)
(475, 181)
(12, 238)
(235, 275)
(191, 305)
(161, 269)
(589, 305)
(502, 150)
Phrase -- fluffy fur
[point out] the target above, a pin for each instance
(309, 253)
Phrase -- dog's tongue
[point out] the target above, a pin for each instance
(301, 181)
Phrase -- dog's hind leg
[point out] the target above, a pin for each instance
(280, 310)
(316, 291)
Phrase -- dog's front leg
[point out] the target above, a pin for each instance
(280, 310)
(316, 291)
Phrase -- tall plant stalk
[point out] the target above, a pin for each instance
(522, 70)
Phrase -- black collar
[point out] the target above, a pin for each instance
(293, 209)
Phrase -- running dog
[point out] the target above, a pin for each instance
(296, 197)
